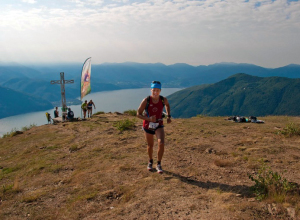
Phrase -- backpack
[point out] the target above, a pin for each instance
(148, 102)
(243, 119)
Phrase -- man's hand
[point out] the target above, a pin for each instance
(152, 118)
(169, 120)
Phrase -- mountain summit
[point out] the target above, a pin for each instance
(91, 170)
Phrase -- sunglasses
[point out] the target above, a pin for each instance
(156, 82)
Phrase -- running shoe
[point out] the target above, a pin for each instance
(159, 169)
(149, 167)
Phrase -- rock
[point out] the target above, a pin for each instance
(210, 151)
(19, 132)
(272, 208)
(291, 212)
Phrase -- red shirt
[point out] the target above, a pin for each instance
(154, 109)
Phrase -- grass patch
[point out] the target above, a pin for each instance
(130, 112)
(73, 148)
(245, 158)
(125, 124)
(88, 196)
(223, 163)
(112, 156)
(54, 147)
(10, 188)
(127, 167)
(33, 196)
(55, 168)
(234, 154)
(6, 188)
(7, 171)
(126, 192)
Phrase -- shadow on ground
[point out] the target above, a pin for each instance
(238, 189)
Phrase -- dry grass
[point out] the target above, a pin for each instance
(91, 170)
(222, 163)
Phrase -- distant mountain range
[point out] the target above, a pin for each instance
(34, 80)
(240, 94)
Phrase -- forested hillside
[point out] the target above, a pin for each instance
(240, 94)
(13, 103)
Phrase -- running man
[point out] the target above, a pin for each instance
(153, 122)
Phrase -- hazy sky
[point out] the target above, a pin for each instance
(197, 32)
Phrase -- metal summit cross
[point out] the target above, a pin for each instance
(62, 83)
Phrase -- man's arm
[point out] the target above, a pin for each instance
(168, 110)
(140, 110)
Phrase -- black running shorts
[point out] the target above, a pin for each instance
(152, 131)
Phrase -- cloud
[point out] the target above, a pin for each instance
(29, 1)
(196, 32)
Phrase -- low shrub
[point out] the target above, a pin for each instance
(291, 129)
(14, 131)
(130, 112)
(125, 124)
(99, 113)
(270, 184)
(26, 128)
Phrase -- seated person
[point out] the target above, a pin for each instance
(70, 114)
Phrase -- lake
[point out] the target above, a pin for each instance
(108, 101)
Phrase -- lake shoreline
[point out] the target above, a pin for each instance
(106, 101)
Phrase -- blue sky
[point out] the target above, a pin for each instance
(197, 32)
